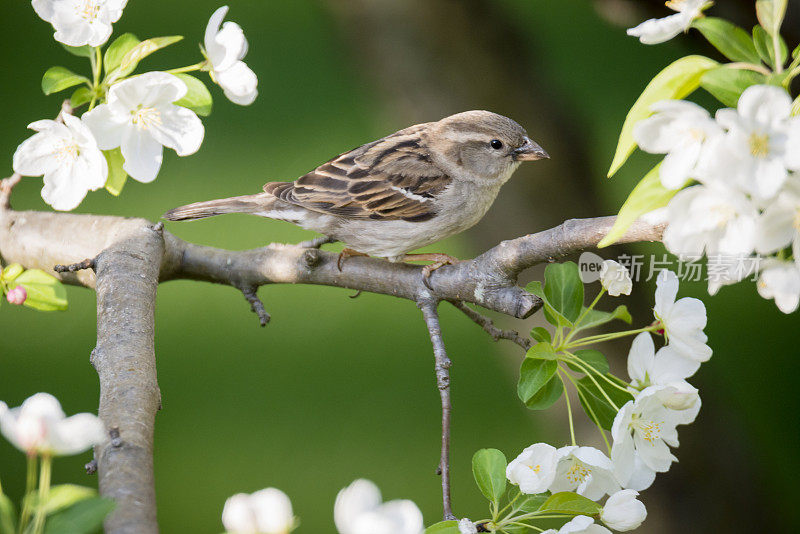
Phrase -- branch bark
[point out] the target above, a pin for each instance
(127, 278)
(131, 257)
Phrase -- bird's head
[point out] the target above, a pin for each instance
(482, 145)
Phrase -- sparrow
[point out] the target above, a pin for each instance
(397, 194)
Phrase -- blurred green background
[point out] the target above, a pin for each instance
(334, 389)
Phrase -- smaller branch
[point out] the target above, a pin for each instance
(88, 263)
(487, 324)
(428, 306)
(250, 293)
(316, 242)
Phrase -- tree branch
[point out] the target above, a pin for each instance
(127, 278)
(487, 324)
(131, 256)
(428, 306)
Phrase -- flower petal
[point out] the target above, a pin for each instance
(179, 129)
(106, 127)
(143, 155)
(239, 84)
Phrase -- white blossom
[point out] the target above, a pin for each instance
(779, 225)
(465, 526)
(226, 48)
(646, 367)
(68, 157)
(40, 426)
(683, 320)
(534, 470)
(780, 280)
(680, 130)
(623, 511)
(267, 511)
(643, 431)
(762, 142)
(140, 117)
(656, 31)
(580, 524)
(586, 471)
(80, 22)
(714, 219)
(615, 278)
(359, 510)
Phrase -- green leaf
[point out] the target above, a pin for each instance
(45, 292)
(80, 51)
(731, 40)
(116, 174)
(534, 374)
(81, 96)
(567, 502)
(489, 470)
(676, 81)
(117, 50)
(132, 58)
(551, 314)
(83, 517)
(594, 402)
(542, 351)
(727, 84)
(564, 289)
(648, 195)
(443, 527)
(766, 47)
(796, 106)
(531, 503)
(59, 78)
(592, 358)
(198, 98)
(8, 516)
(541, 334)
(547, 396)
(11, 272)
(594, 318)
(62, 496)
(770, 14)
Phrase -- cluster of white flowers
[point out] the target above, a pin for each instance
(359, 509)
(747, 201)
(40, 427)
(139, 115)
(644, 429)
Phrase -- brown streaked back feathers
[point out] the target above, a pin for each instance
(389, 179)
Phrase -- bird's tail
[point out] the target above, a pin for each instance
(260, 202)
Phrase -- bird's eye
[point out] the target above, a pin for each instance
(496, 144)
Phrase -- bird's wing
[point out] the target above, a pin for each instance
(389, 179)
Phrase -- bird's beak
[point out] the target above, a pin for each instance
(530, 151)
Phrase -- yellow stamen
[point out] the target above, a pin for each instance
(144, 118)
(89, 10)
(578, 472)
(759, 145)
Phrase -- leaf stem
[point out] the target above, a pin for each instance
(592, 415)
(587, 369)
(189, 68)
(583, 341)
(30, 484)
(749, 66)
(44, 491)
(569, 407)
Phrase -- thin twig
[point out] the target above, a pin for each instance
(6, 186)
(428, 306)
(487, 324)
(88, 263)
(250, 293)
(316, 242)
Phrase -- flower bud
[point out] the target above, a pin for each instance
(623, 511)
(18, 295)
(615, 278)
(465, 526)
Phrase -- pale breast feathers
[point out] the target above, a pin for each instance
(389, 179)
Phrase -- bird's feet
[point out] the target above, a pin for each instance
(347, 253)
(439, 260)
